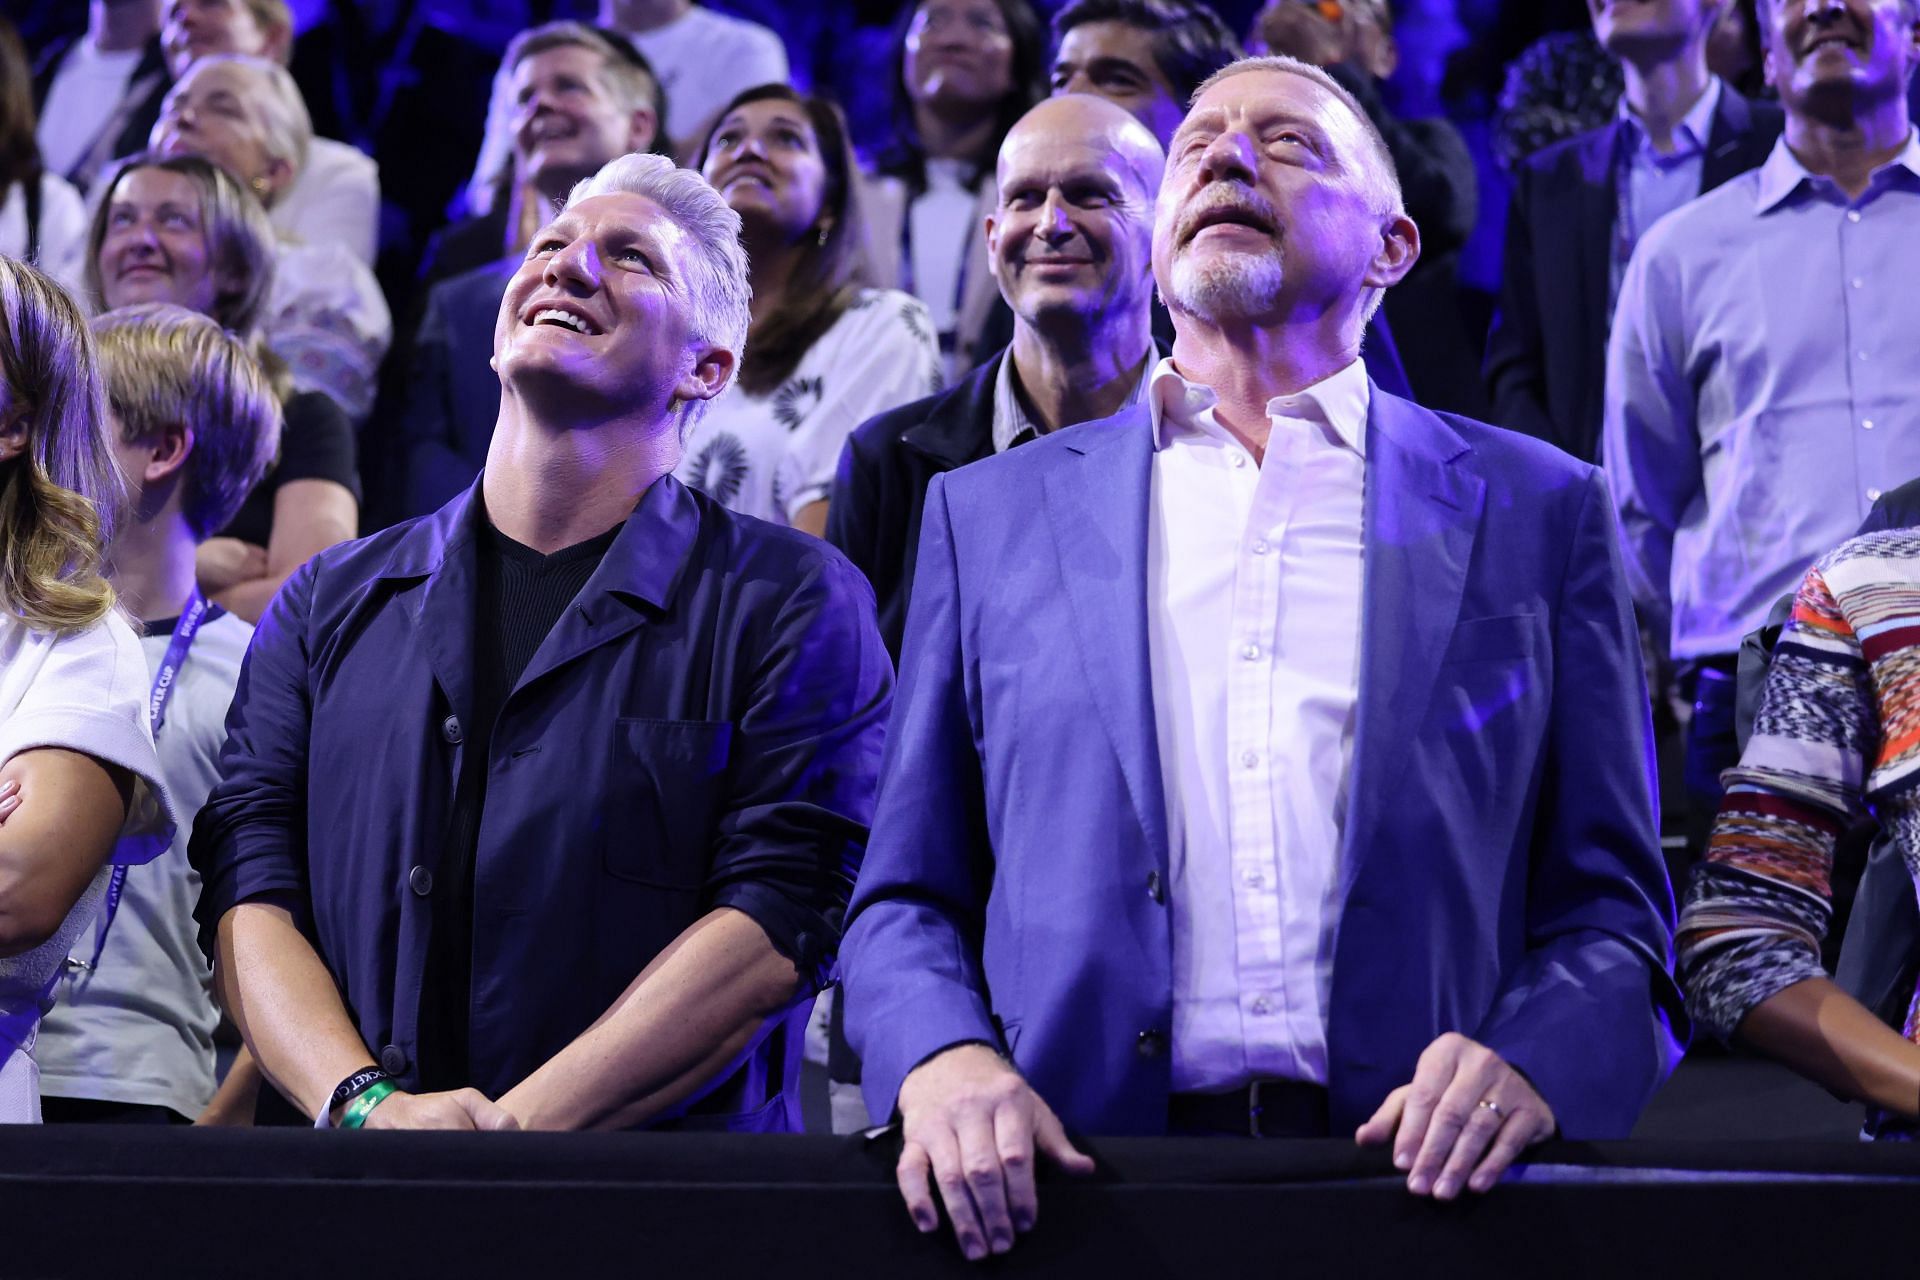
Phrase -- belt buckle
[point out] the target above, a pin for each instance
(1253, 1110)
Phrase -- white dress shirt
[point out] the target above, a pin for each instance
(1253, 628)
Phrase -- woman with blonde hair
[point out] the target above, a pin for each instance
(77, 764)
(181, 229)
(325, 316)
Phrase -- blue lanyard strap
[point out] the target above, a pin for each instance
(197, 610)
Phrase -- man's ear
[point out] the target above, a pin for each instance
(712, 371)
(279, 44)
(1378, 53)
(993, 247)
(13, 431)
(1399, 251)
(642, 129)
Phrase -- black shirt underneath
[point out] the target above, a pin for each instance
(519, 596)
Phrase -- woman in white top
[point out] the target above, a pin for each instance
(326, 316)
(963, 71)
(824, 353)
(77, 764)
(42, 219)
(336, 195)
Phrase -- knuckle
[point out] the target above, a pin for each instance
(981, 1174)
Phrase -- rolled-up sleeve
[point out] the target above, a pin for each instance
(805, 767)
(249, 839)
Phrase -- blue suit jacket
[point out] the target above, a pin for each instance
(1500, 874)
(452, 394)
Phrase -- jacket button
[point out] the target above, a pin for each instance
(1150, 1044)
(450, 729)
(393, 1060)
(1154, 890)
(421, 881)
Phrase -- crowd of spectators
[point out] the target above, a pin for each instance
(394, 324)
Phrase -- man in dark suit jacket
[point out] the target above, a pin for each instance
(1271, 757)
(1069, 244)
(1567, 238)
(452, 394)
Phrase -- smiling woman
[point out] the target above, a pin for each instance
(180, 229)
(825, 352)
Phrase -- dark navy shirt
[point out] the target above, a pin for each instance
(702, 728)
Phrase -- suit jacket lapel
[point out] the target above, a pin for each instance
(1727, 151)
(1598, 211)
(1422, 515)
(1097, 505)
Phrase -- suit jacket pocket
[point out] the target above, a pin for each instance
(669, 777)
(1499, 639)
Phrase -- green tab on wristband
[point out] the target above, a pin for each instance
(362, 1106)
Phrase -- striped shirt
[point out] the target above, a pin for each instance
(1837, 737)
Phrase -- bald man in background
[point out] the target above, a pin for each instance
(1070, 244)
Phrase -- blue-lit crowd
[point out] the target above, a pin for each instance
(1082, 621)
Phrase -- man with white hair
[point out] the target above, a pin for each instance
(542, 811)
(1271, 758)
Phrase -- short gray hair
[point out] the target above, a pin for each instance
(719, 296)
(285, 126)
(1379, 178)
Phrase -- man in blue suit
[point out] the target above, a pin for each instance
(1272, 757)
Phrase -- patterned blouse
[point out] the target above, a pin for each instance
(1837, 738)
(771, 456)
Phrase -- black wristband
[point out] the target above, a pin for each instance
(355, 1085)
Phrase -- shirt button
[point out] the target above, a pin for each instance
(1866, 424)
(393, 1060)
(1251, 653)
(1853, 215)
(1149, 1044)
(1249, 758)
(1261, 1006)
(1873, 495)
(1254, 879)
(420, 880)
(450, 729)
(1261, 548)
(1863, 355)
(1239, 460)
(1858, 283)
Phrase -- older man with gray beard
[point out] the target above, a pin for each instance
(1271, 758)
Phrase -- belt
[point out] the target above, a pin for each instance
(1263, 1109)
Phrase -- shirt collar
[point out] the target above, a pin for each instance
(1010, 418)
(1691, 134)
(647, 560)
(1783, 173)
(1340, 402)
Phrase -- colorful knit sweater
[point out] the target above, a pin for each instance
(1837, 737)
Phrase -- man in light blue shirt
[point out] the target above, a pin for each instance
(1580, 207)
(1762, 386)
